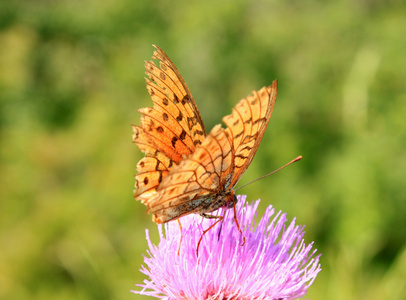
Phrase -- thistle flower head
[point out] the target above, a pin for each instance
(274, 262)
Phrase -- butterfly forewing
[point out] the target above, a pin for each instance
(171, 82)
(167, 65)
(169, 130)
(247, 125)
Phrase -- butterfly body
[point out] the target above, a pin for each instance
(200, 205)
(185, 170)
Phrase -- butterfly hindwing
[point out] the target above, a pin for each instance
(151, 169)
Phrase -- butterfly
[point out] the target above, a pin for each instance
(185, 170)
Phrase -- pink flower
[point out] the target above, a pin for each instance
(274, 262)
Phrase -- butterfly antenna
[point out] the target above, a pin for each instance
(289, 163)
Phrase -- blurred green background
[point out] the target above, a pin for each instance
(71, 82)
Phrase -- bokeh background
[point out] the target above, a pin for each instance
(72, 80)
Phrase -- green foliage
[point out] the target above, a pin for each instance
(71, 81)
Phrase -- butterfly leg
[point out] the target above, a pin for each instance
(219, 218)
(207, 216)
(236, 221)
(181, 236)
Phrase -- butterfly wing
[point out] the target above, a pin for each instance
(247, 124)
(169, 130)
(194, 185)
(204, 181)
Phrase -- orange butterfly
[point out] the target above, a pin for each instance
(185, 170)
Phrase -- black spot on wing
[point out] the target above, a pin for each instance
(183, 135)
(174, 140)
(179, 117)
(238, 135)
(259, 120)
